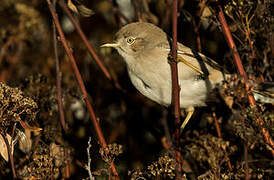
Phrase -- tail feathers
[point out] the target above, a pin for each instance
(264, 92)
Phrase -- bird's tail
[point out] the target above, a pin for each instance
(264, 92)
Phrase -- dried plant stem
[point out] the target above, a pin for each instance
(197, 25)
(245, 151)
(59, 90)
(242, 72)
(217, 125)
(168, 145)
(89, 160)
(88, 45)
(67, 168)
(12, 59)
(81, 83)
(13, 133)
(245, 25)
(137, 14)
(5, 47)
(176, 89)
(218, 129)
(85, 40)
(58, 80)
(120, 15)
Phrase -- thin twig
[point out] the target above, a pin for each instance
(242, 72)
(81, 83)
(176, 89)
(168, 145)
(246, 31)
(218, 129)
(217, 125)
(88, 168)
(88, 45)
(58, 79)
(13, 133)
(166, 18)
(5, 47)
(137, 14)
(59, 91)
(197, 24)
(120, 15)
(67, 168)
(235, 53)
(85, 40)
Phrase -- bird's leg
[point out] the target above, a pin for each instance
(190, 111)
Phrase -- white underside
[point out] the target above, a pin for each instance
(192, 92)
(152, 78)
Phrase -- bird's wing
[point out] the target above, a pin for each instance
(196, 61)
(191, 56)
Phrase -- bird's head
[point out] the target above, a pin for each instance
(137, 38)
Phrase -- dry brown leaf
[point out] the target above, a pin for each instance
(3, 147)
(72, 6)
(26, 126)
(58, 153)
(24, 140)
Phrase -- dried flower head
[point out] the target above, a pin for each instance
(15, 107)
(109, 153)
(165, 166)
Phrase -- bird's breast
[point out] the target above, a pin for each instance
(152, 78)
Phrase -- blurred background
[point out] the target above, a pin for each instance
(129, 121)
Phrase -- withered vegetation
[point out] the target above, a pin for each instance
(132, 125)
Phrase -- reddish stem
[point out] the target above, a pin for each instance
(176, 88)
(218, 129)
(84, 38)
(242, 72)
(197, 24)
(81, 82)
(217, 125)
(88, 45)
(67, 168)
(58, 80)
(235, 53)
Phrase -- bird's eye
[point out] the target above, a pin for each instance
(130, 40)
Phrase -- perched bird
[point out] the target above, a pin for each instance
(146, 48)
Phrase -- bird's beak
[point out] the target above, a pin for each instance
(113, 45)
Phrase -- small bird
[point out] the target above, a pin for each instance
(146, 50)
